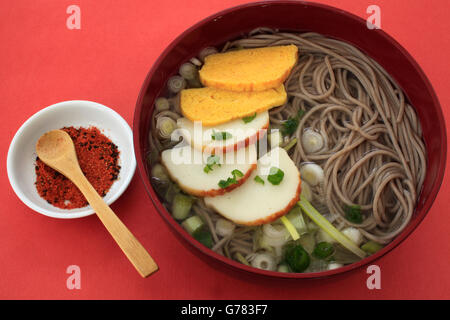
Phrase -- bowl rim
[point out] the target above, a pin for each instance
(162, 211)
(125, 181)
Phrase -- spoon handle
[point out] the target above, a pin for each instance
(132, 248)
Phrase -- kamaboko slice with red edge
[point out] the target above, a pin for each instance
(269, 193)
(200, 174)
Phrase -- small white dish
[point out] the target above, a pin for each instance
(77, 113)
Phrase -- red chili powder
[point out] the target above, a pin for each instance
(98, 158)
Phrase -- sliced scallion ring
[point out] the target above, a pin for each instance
(329, 228)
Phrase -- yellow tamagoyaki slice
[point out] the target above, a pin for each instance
(255, 69)
(214, 106)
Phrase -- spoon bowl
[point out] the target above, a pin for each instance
(57, 150)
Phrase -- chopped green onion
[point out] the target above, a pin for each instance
(312, 173)
(275, 176)
(192, 224)
(283, 268)
(239, 257)
(237, 173)
(322, 235)
(172, 190)
(259, 180)
(204, 237)
(295, 216)
(162, 104)
(334, 265)
(353, 234)
(207, 169)
(290, 125)
(275, 138)
(181, 206)
(159, 172)
(210, 162)
(323, 250)
(353, 213)
(312, 141)
(206, 52)
(324, 224)
(175, 103)
(249, 118)
(176, 84)
(264, 261)
(224, 228)
(290, 227)
(165, 126)
(312, 227)
(188, 71)
(213, 159)
(306, 191)
(308, 242)
(196, 62)
(296, 258)
(260, 241)
(274, 234)
(290, 144)
(223, 135)
(371, 247)
(226, 183)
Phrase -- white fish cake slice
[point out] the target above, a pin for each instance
(186, 166)
(255, 203)
(242, 134)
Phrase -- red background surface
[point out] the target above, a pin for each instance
(42, 62)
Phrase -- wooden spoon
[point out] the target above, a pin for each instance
(56, 149)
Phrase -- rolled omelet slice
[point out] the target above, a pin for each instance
(199, 173)
(263, 197)
(215, 106)
(255, 69)
(226, 137)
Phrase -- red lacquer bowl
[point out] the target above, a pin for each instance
(298, 16)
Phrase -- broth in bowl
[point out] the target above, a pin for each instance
(345, 124)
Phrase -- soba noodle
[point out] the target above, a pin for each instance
(373, 154)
